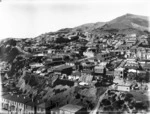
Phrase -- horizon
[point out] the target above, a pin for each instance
(31, 19)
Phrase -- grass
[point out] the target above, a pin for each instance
(139, 96)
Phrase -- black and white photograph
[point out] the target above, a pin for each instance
(74, 57)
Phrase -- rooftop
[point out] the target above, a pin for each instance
(62, 67)
(71, 108)
(20, 99)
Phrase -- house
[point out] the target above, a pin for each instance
(99, 69)
(55, 111)
(20, 104)
(123, 87)
(110, 73)
(68, 109)
(131, 40)
(88, 65)
(146, 67)
(64, 69)
(53, 63)
(131, 64)
(49, 51)
(124, 47)
(88, 54)
(36, 65)
(57, 58)
(104, 56)
(118, 72)
(71, 109)
(86, 78)
(143, 53)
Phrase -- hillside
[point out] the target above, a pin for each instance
(89, 27)
(126, 24)
(129, 21)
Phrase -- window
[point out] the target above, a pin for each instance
(61, 112)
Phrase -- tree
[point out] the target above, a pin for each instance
(147, 79)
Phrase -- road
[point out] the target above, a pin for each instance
(95, 110)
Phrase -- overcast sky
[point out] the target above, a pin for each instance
(30, 18)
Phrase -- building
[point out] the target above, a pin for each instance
(71, 109)
(17, 103)
(118, 73)
(64, 69)
(131, 41)
(124, 47)
(123, 87)
(110, 73)
(54, 111)
(100, 69)
(89, 53)
(50, 51)
(36, 65)
(143, 53)
(105, 56)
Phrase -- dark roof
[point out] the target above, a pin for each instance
(16, 98)
(54, 62)
(63, 82)
(145, 60)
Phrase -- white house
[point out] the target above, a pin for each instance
(119, 72)
(123, 87)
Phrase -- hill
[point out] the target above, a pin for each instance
(126, 24)
(89, 26)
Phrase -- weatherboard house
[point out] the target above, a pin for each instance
(19, 104)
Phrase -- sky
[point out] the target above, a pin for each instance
(30, 18)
